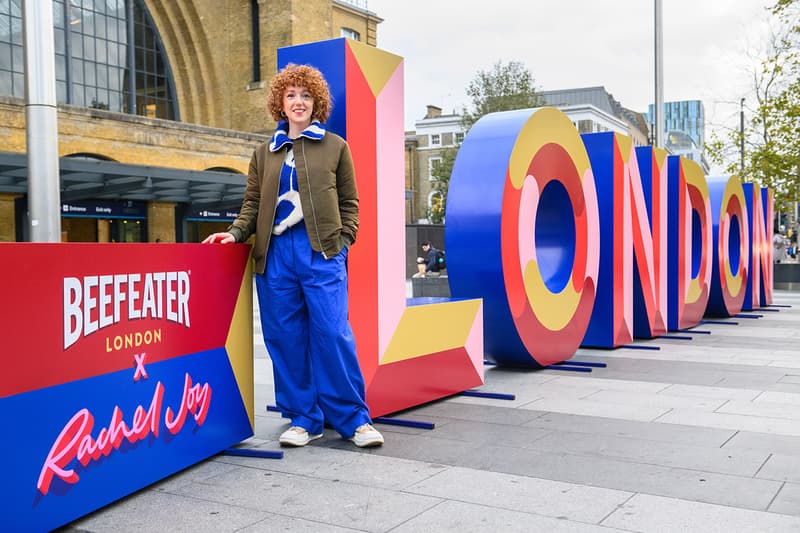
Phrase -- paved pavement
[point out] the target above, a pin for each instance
(701, 435)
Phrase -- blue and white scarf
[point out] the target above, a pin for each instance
(289, 211)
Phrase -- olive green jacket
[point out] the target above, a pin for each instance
(328, 195)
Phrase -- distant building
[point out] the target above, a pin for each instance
(687, 116)
(636, 126)
(434, 133)
(589, 119)
(591, 110)
(681, 143)
(684, 129)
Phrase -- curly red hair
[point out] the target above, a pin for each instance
(300, 76)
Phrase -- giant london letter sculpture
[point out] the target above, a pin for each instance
(589, 241)
(569, 240)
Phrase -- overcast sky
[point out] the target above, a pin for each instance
(576, 43)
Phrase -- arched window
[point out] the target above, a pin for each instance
(436, 207)
(86, 156)
(95, 64)
(434, 198)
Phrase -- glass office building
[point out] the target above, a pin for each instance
(686, 116)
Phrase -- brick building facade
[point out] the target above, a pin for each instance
(218, 58)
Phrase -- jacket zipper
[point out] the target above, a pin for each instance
(311, 197)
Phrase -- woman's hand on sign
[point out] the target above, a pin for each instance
(221, 238)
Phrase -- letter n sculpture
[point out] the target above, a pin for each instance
(690, 243)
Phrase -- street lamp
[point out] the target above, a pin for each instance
(41, 122)
(658, 108)
(741, 136)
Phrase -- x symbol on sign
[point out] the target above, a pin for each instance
(140, 371)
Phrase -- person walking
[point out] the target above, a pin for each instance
(302, 204)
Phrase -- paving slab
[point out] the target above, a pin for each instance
(495, 414)
(722, 393)
(599, 380)
(791, 378)
(737, 462)
(590, 426)
(487, 434)
(654, 514)
(520, 493)
(684, 483)
(743, 358)
(745, 422)
(321, 462)
(664, 378)
(341, 504)
(788, 500)
(291, 524)
(669, 401)
(739, 380)
(763, 409)
(781, 468)
(781, 386)
(779, 397)
(712, 378)
(458, 453)
(595, 471)
(459, 517)
(780, 444)
(594, 408)
(520, 398)
(161, 511)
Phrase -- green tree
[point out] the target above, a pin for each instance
(770, 138)
(440, 182)
(503, 87)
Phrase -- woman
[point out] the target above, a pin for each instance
(301, 202)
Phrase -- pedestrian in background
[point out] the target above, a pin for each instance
(779, 245)
(434, 259)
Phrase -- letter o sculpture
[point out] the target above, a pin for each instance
(523, 234)
(731, 232)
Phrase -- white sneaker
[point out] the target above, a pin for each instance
(296, 436)
(367, 436)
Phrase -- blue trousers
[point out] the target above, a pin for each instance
(303, 302)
